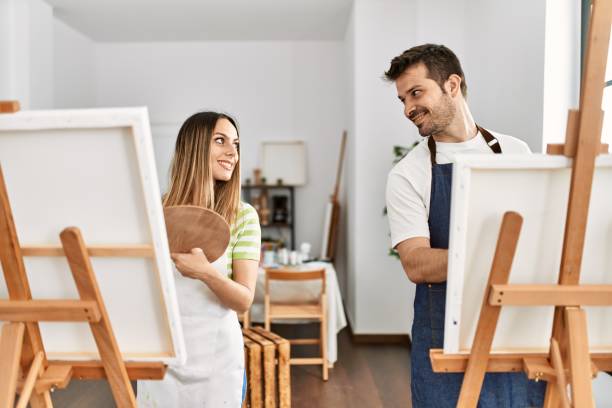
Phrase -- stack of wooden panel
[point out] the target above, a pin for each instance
(267, 364)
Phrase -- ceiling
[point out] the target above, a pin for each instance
(205, 20)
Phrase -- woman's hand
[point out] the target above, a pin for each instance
(192, 265)
(236, 294)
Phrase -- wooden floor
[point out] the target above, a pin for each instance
(365, 376)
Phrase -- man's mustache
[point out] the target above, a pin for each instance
(417, 111)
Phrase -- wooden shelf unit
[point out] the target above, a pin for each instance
(269, 224)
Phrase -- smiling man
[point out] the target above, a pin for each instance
(432, 89)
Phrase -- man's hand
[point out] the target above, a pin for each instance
(192, 265)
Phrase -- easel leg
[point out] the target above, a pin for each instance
(87, 286)
(557, 363)
(587, 143)
(552, 399)
(579, 357)
(30, 380)
(16, 279)
(11, 343)
(489, 315)
(41, 400)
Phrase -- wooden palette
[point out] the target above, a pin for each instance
(190, 226)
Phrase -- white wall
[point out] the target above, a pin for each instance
(277, 90)
(504, 66)
(441, 22)
(561, 67)
(73, 68)
(43, 63)
(320, 117)
(602, 390)
(41, 55)
(606, 103)
(26, 53)
(348, 282)
(7, 45)
(380, 296)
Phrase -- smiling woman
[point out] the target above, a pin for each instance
(205, 172)
(224, 150)
(197, 176)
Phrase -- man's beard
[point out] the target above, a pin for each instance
(438, 118)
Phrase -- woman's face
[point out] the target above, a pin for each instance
(224, 150)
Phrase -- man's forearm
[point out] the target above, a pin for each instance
(426, 265)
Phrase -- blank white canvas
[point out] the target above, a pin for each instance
(537, 187)
(94, 169)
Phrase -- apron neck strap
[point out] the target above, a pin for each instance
(488, 137)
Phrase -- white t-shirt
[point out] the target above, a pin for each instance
(409, 182)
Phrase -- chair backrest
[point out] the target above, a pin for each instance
(279, 274)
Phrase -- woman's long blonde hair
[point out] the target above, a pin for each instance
(191, 178)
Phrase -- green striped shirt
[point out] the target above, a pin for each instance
(245, 239)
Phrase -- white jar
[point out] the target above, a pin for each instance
(283, 256)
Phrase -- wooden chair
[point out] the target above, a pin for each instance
(301, 311)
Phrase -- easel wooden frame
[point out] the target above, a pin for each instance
(22, 351)
(332, 211)
(569, 342)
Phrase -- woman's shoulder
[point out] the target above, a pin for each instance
(246, 212)
(247, 221)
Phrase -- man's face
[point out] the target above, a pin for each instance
(430, 108)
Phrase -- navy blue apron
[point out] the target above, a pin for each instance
(431, 390)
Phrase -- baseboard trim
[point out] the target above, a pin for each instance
(379, 338)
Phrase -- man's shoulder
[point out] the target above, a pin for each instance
(511, 144)
(414, 161)
(412, 172)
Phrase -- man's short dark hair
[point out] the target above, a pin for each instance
(439, 60)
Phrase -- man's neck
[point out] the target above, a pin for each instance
(461, 129)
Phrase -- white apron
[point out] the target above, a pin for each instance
(213, 374)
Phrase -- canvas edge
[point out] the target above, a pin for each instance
(143, 143)
(456, 254)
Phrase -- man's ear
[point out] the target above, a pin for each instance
(453, 85)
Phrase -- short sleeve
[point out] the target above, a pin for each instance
(248, 235)
(525, 147)
(406, 210)
(512, 145)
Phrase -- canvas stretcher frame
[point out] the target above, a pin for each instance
(537, 187)
(144, 252)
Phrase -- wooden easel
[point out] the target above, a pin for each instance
(335, 203)
(568, 360)
(24, 367)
